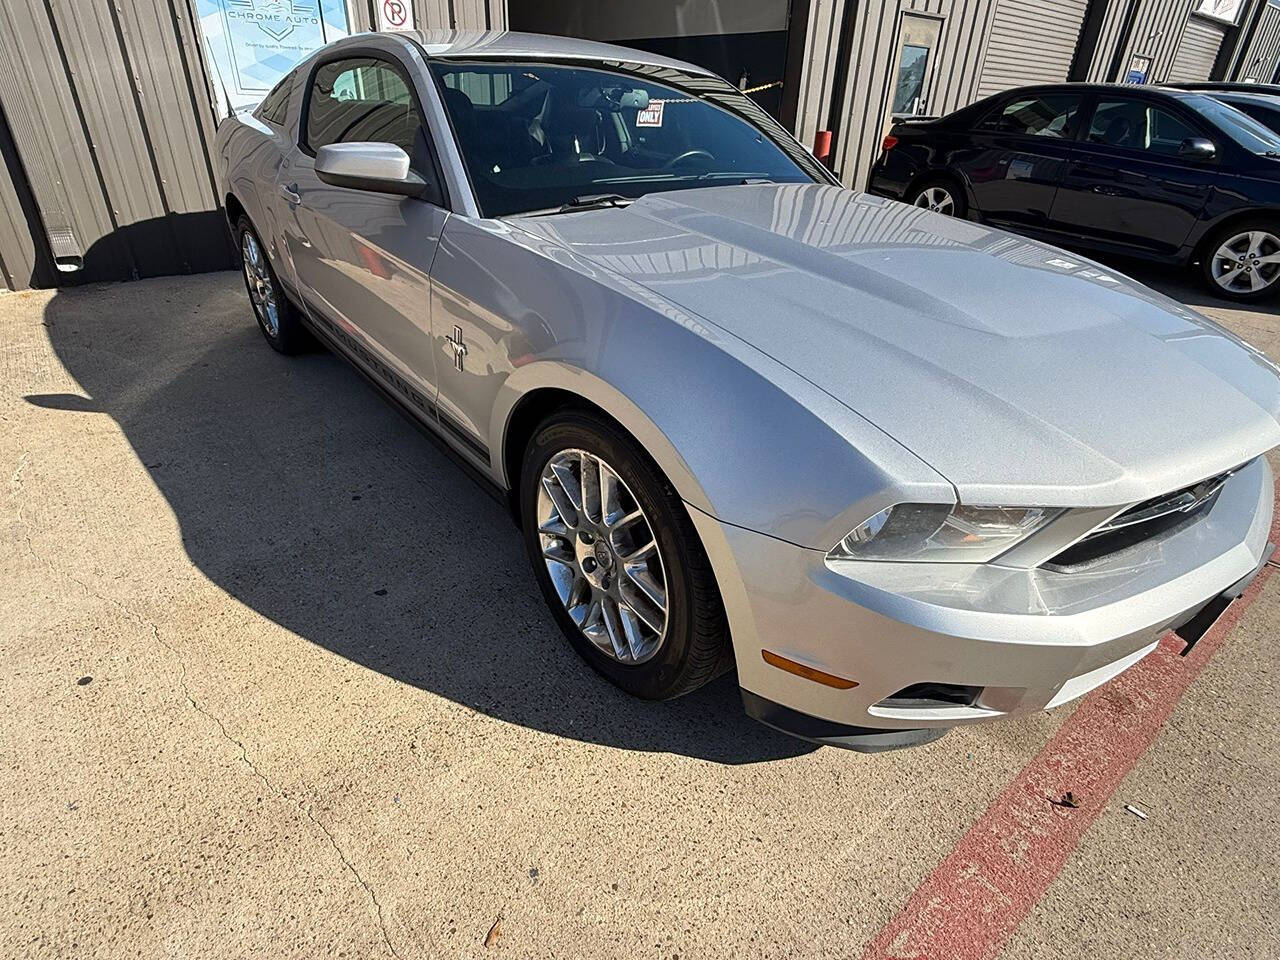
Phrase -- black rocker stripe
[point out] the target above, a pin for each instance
(395, 385)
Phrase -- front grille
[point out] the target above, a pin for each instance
(1142, 521)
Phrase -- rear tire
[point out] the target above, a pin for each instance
(1242, 261)
(941, 195)
(582, 561)
(277, 318)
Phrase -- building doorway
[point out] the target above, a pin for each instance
(913, 69)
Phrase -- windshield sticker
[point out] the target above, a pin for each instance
(650, 116)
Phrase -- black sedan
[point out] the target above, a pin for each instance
(1162, 174)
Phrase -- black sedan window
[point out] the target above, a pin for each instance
(1138, 125)
(1050, 115)
(537, 136)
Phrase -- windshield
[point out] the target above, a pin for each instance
(1240, 127)
(535, 137)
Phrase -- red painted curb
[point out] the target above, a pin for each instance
(975, 899)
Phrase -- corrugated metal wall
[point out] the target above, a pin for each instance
(817, 72)
(1108, 37)
(865, 98)
(1198, 50)
(19, 261)
(1259, 61)
(1032, 41)
(114, 102)
(438, 14)
(110, 99)
(1157, 31)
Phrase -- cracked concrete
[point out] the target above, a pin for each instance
(277, 683)
(301, 805)
(243, 751)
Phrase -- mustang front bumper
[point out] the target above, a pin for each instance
(1024, 639)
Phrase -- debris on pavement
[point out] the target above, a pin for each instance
(1068, 800)
(1135, 811)
(494, 933)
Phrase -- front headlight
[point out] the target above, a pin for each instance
(932, 532)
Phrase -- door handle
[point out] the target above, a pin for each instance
(1092, 170)
(290, 193)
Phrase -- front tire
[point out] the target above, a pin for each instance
(276, 316)
(1242, 261)
(618, 559)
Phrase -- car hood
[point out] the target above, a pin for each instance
(1021, 373)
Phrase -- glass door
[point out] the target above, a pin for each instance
(913, 66)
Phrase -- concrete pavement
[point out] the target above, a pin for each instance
(277, 682)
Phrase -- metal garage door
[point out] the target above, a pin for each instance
(1260, 60)
(1032, 41)
(1197, 51)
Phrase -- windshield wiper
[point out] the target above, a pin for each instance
(591, 201)
(743, 178)
(594, 200)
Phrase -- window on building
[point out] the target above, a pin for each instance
(1137, 125)
(275, 105)
(1052, 115)
(364, 99)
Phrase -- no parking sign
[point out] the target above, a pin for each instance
(395, 15)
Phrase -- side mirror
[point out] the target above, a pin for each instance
(376, 167)
(1197, 148)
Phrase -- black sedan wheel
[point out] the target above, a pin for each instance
(940, 196)
(1243, 261)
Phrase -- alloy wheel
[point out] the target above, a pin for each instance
(262, 290)
(1248, 262)
(602, 556)
(937, 199)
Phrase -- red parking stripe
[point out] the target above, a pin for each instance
(978, 896)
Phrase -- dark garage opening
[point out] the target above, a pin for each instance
(744, 41)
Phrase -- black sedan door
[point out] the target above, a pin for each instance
(1018, 153)
(1127, 184)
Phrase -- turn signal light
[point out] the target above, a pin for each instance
(890, 142)
(809, 673)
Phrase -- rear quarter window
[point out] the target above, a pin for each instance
(275, 105)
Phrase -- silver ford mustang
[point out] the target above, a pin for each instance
(903, 471)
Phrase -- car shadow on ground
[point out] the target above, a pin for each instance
(302, 494)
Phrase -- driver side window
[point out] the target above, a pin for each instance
(1136, 125)
(365, 99)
